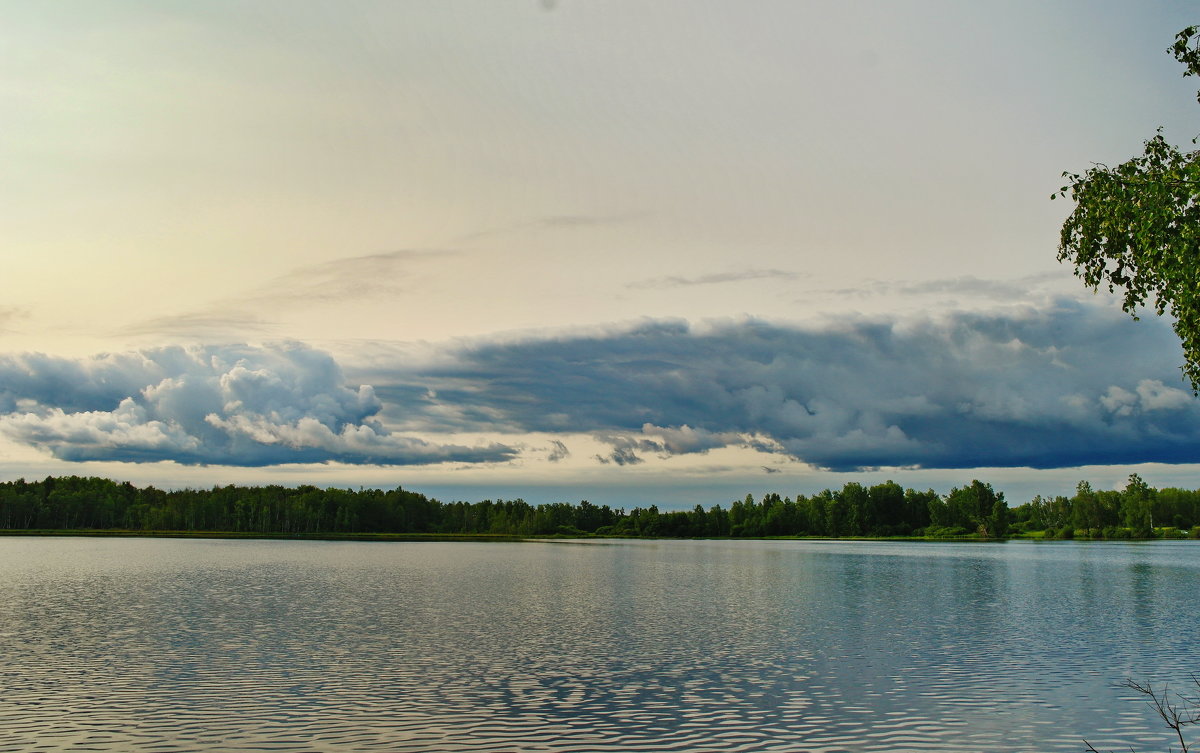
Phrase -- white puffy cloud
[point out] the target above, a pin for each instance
(1149, 395)
(1154, 395)
(232, 405)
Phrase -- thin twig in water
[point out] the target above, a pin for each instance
(1185, 711)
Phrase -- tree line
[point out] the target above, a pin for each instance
(886, 509)
(1137, 511)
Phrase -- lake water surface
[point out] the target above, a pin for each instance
(186, 645)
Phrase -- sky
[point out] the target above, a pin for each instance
(637, 253)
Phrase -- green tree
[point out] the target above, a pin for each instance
(939, 512)
(997, 522)
(917, 508)
(1137, 506)
(837, 516)
(971, 507)
(1085, 507)
(1136, 227)
(887, 510)
(857, 504)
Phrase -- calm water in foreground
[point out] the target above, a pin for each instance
(183, 645)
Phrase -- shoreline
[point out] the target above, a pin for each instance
(480, 537)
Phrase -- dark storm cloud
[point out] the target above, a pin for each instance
(1061, 386)
(230, 405)
(1064, 385)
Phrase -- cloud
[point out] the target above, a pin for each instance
(349, 279)
(553, 223)
(625, 448)
(1063, 385)
(340, 280)
(558, 451)
(713, 279)
(202, 325)
(685, 439)
(969, 285)
(230, 405)
(965, 286)
(578, 220)
(10, 314)
(621, 455)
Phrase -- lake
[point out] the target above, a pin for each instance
(188, 645)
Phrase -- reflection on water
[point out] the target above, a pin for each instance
(169, 645)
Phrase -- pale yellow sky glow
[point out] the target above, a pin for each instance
(405, 186)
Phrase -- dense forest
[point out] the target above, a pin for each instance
(887, 509)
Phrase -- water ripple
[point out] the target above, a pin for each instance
(176, 646)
